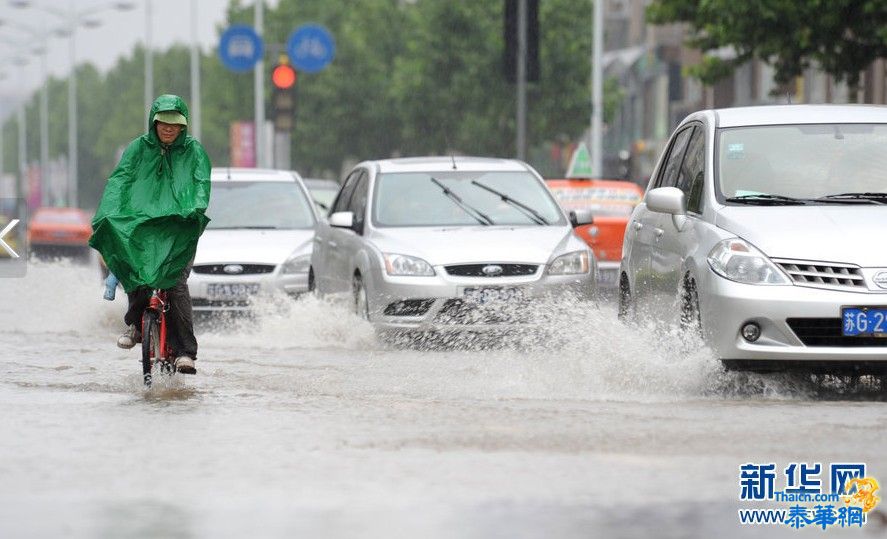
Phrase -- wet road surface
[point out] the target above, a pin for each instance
(300, 424)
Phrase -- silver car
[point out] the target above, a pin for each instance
(258, 241)
(764, 227)
(454, 242)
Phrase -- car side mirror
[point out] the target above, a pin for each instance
(342, 219)
(581, 217)
(668, 200)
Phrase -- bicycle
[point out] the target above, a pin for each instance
(155, 349)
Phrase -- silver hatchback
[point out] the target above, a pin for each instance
(434, 243)
(764, 227)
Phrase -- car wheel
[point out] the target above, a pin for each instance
(625, 306)
(691, 317)
(361, 303)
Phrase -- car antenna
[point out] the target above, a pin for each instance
(452, 154)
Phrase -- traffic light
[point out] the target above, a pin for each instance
(283, 97)
(511, 24)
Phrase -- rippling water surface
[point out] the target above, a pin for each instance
(299, 423)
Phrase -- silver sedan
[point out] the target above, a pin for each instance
(763, 227)
(434, 243)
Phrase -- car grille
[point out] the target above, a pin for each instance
(819, 274)
(476, 270)
(409, 307)
(827, 332)
(219, 269)
(460, 312)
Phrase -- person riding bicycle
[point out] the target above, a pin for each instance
(151, 214)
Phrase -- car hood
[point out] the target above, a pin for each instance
(466, 245)
(845, 233)
(251, 246)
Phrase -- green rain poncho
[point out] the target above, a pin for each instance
(152, 211)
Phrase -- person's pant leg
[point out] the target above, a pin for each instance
(179, 318)
(138, 301)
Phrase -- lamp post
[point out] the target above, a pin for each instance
(41, 50)
(73, 19)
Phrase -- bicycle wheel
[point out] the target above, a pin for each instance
(150, 343)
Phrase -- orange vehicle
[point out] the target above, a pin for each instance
(611, 203)
(60, 232)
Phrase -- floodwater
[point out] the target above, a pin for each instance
(299, 424)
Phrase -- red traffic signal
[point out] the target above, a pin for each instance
(283, 76)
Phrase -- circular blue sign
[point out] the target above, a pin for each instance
(240, 47)
(311, 47)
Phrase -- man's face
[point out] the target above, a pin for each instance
(168, 132)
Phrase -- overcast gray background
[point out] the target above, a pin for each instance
(119, 33)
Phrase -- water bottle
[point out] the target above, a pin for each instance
(110, 287)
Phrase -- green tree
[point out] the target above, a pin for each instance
(842, 37)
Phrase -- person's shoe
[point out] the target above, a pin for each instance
(130, 338)
(185, 365)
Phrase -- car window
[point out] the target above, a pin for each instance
(344, 197)
(692, 171)
(358, 203)
(669, 175)
(259, 205)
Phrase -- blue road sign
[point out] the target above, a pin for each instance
(240, 47)
(311, 47)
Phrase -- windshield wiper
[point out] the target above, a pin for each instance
(478, 215)
(532, 214)
(764, 199)
(874, 198)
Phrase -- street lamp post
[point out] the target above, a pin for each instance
(74, 18)
(42, 50)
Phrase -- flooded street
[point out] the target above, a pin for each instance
(301, 424)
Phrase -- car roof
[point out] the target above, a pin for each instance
(237, 174)
(800, 114)
(579, 183)
(445, 164)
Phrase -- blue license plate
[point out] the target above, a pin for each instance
(864, 321)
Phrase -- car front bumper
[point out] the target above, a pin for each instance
(798, 324)
(241, 292)
(452, 303)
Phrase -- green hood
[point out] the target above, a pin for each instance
(153, 208)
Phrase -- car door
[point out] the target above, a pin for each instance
(643, 231)
(343, 241)
(326, 242)
(672, 245)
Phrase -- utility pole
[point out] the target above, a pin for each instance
(194, 128)
(259, 77)
(597, 100)
(522, 80)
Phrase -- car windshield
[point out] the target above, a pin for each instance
(458, 198)
(323, 196)
(61, 217)
(801, 161)
(258, 205)
(602, 201)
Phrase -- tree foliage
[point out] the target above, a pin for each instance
(841, 37)
(408, 78)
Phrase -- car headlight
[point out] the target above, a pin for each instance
(739, 261)
(406, 265)
(297, 263)
(570, 264)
